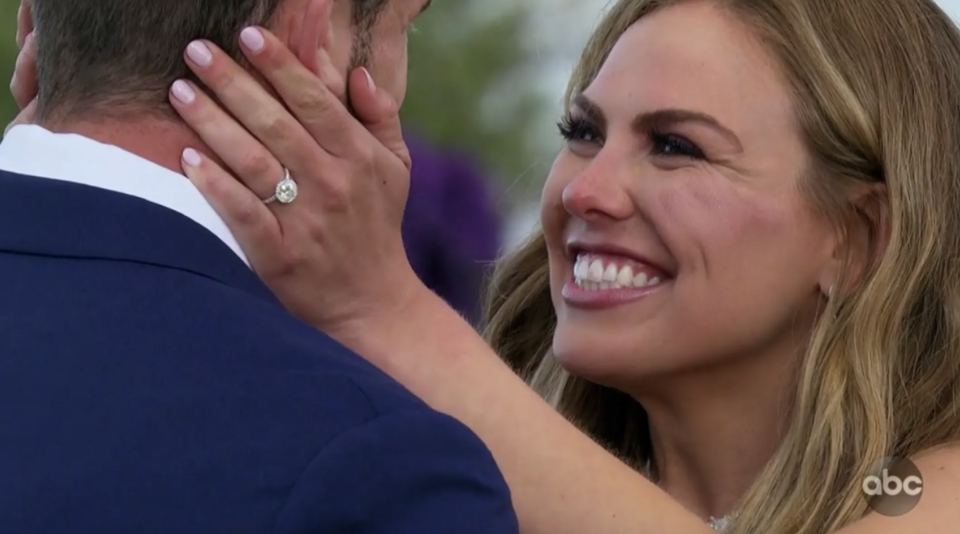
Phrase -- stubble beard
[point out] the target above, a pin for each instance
(360, 55)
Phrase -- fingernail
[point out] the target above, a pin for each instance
(252, 39)
(370, 83)
(191, 157)
(182, 91)
(199, 54)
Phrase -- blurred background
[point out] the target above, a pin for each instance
(486, 81)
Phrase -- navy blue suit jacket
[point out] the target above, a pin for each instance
(150, 383)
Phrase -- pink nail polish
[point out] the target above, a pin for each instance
(252, 39)
(370, 82)
(199, 54)
(182, 91)
(191, 157)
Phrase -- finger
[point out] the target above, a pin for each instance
(23, 86)
(312, 48)
(24, 22)
(251, 222)
(312, 103)
(330, 76)
(253, 164)
(253, 106)
(379, 113)
(313, 32)
(25, 117)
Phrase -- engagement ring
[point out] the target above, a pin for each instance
(286, 191)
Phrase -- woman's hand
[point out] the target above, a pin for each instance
(334, 256)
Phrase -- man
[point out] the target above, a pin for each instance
(450, 227)
(149, 382)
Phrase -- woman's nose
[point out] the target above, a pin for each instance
(599, 193)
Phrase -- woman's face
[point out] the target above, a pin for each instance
(678, 237)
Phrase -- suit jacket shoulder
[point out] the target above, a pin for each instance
(150, 383)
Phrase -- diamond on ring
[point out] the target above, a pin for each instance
(286, 191)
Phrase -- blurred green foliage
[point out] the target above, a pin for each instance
(466, 85)
(465, 61)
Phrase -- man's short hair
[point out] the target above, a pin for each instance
(113, 58)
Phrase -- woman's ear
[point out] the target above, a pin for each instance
(873, 207)
(830, 274)
(864, 242)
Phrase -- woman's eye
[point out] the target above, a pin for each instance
(574, 129)
(578, 130)
(674, 146)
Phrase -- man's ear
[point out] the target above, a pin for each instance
(864, 242)
(24, 22)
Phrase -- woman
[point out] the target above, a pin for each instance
(746, 287)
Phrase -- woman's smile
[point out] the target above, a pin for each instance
(601, 280)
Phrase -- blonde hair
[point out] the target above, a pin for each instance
(877, 92)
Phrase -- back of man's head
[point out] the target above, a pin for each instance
(114, 58)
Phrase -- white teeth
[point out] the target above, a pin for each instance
(595, 273)
(591, 275)
(610, 275)
(580, 270)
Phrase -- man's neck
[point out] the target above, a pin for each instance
(159, 141)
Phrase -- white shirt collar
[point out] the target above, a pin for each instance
(33, 151)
